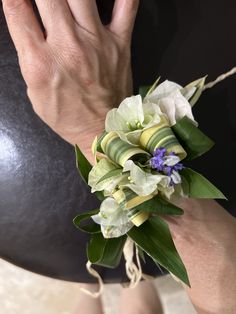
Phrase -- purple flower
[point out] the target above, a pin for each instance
(178, 167)
(160, 152)
(168, 170)
(163, 163)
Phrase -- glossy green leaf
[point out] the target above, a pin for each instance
(199, 186)
(110, 174)
(90, 226)
(193, 140)
(100, 195)
(160, 206)
(82, 164)
(155, 239)
(105, 252)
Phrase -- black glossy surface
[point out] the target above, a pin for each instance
(40, 190)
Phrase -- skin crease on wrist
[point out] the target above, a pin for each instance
(73, 82)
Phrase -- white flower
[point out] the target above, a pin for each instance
(162, 91)
(102, 168)
(143, 183)
(170, 100)
(113, 219)
(131, 118)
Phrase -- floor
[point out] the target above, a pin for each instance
(23, 292)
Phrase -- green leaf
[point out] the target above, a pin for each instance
(99, 141)
(199, 186)
(100, 195)
(141, 254)
(143, 90)
(154, 85)
(148, 89)
(118, 150)
(155, 239)
(198, 86)
(90, 227)
(112, 173)
(185, 186)
(161, 135)
(193, 140)
(105, 252)
(82, 164)
(160, 206)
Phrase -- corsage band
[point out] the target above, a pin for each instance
(140, 172)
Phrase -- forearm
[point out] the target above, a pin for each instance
(205, 238)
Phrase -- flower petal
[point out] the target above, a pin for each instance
(103, 167)
(171, 160)
(141, 182)
(176, 177)
(113, 219)
(115, 122)
(162, 90)
(152, 114)
(175, 106)
(131, 109)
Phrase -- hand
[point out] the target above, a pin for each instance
(205, 239)
(78, 69)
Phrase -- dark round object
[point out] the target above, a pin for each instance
(41, 191)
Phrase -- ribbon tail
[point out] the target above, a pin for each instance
(133, 271)
(96, 275)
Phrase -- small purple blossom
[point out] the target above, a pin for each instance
(168, 170)
(178, 167)
(161, 163)
(159, 152)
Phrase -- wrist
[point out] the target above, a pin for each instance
(89, 123)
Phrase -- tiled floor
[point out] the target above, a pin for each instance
(22, 292)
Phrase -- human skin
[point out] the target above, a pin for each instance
(78, 69)
(205, 239)
(75, 72)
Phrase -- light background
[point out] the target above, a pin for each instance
(23, 292)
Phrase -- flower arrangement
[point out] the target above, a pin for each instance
(140, 172)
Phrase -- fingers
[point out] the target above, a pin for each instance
(123, 18)
(85, 13)
(55, 15)
(22, 23)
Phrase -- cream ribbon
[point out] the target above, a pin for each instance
(96, 275)
(133, 271)
(219, 79)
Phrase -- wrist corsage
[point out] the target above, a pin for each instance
(140, 171)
